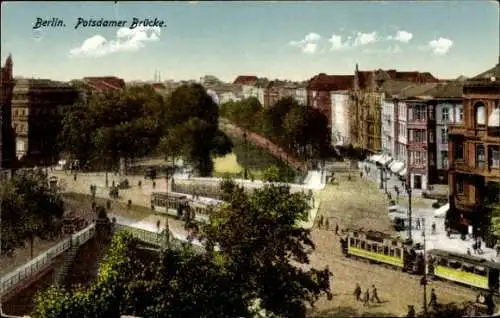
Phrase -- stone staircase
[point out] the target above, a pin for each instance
(64, 270)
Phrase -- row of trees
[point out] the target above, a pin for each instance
(259, 250)
(29, 209)
(105, 128)
(303, 131)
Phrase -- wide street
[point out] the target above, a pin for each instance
(360, 203)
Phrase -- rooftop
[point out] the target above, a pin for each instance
(452, 89)
(417, 91)
(245, 80)
(323, 81)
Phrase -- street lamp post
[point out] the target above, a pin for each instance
(425, 269)
(408, 190)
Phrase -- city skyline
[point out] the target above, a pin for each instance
(289, 40)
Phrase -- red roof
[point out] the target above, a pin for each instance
(104, 84)
(245, 80)
(323, 82)
(158, 86)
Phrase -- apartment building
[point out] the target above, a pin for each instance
(474, 151)
(447, 101)
(7, 135)
(37, 109)
(319, 88)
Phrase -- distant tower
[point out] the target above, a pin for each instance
(356, 78)
(159, 77)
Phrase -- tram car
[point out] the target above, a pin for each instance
(381, 248)
(165, 202)
(464, 269)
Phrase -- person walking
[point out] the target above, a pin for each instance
(320, 221)
(336, 229)
(326, 224)
(357, 292)
(366, 298)
(433, 302)
(375, 295)
(418, 224)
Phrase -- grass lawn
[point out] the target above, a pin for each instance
(227, 164)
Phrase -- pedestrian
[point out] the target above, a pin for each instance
(479, 249)
(361, 174)
(468, 251)
(375, 295)
(411, 312)
(474, 247)
(498, 249)
(320, 221)
(74, 177)
(433, 228)
(433, 302)
(366, 298)
(154, 184)
(326, 224)
(139, 183)
(418, 224)
(336, 229)
(357, 292)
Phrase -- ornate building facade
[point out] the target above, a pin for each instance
(37, 109)
(474, 151)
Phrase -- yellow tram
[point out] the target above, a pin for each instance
(377, 247)
(381, 248)
(464, 269)
(168, 203)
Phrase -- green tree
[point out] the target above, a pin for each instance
(192, 130)
(30, 209)
(271, 174)
(259, 239)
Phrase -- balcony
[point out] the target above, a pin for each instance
(457, 129)
(480, 169)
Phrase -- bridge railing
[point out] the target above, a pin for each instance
(143, 235)
(35, 265)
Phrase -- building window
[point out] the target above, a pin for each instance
(460, 186)
(431, 159)
(445, 115)
(418, 113)
(494, 157)
(461, 114)
(444, 136)
(459, 151)
(417, 135)
(444, 159)
(480, 156)
(418, 158)
(431, 112)
(480, 113)
(431, 136)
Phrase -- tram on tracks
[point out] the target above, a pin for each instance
(180, 205)
(383, 249)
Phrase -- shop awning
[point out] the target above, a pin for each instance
(402, 173)
(398, 166)
(441, 212)
(385, 159)
(374, 158)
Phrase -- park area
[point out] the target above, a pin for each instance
(359, 203)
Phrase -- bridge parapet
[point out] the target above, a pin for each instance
(44, 260)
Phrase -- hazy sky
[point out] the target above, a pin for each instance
(293, 40)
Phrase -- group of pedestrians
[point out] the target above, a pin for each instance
(367, 296)
(325, 224)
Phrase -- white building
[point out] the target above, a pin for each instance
(250, 91)
(447, 112)
(229, 96)
(388, 128)
(340, 117)
(301, 95)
